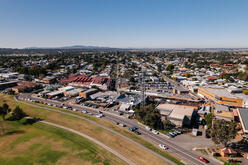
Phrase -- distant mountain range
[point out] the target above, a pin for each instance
(72, 47)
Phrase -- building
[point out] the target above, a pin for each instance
(88, 81)
(54, 94)
(85, 94)
(243, 117)
(8, 84)
(227, 152)
(25, 86)
(66, 89)
(179, 90)
(12, 75)
(74, 92)
(180, 115)
(220, 95)
(49, 80)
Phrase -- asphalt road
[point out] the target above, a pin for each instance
(93, 140)
(189, 157)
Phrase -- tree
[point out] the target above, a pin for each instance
(209, 119)
(170, 67)
(4, 110)
(245, 92)
(150, 116)
(223, 131)
(17, 114)
(168, 124)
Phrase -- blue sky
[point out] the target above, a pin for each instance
(124, 23)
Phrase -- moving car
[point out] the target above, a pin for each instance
(148, 128)
(155, 132)
(133, 128)
(123, 125)
(203, 159)
(163, 147)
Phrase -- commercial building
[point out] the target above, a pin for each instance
(180, 115)
(88, 81)
(74, 92)
(25, 86)
(179, 90)
(243, 117)
(8, 84)
(85, 94)
(12, 75)
(66, 89)
(221, 95)
(54, 94)
(49, 80)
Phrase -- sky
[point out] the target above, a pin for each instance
(124, 23)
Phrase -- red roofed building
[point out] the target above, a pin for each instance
(228, 151)
(211, 78)
(88, 81)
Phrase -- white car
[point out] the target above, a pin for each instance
(163, 147)
(83, 111)
(155, 132)
(99, 115)
(148, 128)
(123, 125)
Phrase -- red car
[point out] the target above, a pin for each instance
(203, 159)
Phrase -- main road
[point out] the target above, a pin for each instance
(187, 156)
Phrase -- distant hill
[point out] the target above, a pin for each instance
(72, 47)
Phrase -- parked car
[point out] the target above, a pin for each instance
(203, 159)
(83, 111)
(163, 147)
(137, 133)
(178, 132)
(170, 135)
(232, 160)
(121, 113)
(155, 132)
(173, 133)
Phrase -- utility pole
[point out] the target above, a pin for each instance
(143, 87)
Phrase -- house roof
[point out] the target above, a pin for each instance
(243, 115)
(228, 150)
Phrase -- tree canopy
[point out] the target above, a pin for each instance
(223, 131)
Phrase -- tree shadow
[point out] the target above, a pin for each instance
(12, 132)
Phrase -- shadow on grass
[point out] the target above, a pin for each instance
(12, 132)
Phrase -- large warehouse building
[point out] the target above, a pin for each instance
(223, 96)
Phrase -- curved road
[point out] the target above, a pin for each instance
(99, 125)
(91, 139)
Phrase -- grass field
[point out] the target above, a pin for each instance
(43, 144)
(131, 151)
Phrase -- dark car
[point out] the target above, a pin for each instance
(137, 133)
(133, 128)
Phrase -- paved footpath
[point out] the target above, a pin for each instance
(91, 139)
